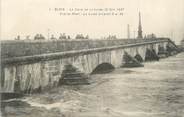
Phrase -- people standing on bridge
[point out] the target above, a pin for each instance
(69, 37)
(87, 37)
(27, 37)
(36, 37)
(52, 37)
(112, 37)
(42, 37)
(62, 36)
(17, 38)
(39, 37)
(79, 36)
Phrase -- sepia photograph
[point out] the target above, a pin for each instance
(92, 58)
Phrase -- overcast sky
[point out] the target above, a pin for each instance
(28, 17)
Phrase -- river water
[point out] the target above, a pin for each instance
(156, 90)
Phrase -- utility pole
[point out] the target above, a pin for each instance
(128, 31)
(48, 36)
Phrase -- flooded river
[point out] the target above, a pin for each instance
(156, 90)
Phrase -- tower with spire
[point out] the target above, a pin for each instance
(139, 28)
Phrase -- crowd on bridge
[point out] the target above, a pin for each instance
(62, 36)
(52, 37)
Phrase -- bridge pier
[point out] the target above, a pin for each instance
(138, 58)
(171, 50)
(166, 49)
(72, 76)
(130, 61)
(162, 53)
(151, 55)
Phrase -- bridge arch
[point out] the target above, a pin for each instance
(103, 68)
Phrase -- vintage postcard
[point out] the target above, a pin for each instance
(92, 58)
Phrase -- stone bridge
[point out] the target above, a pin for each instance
(42, 69)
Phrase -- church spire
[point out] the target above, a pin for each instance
(140, 28)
